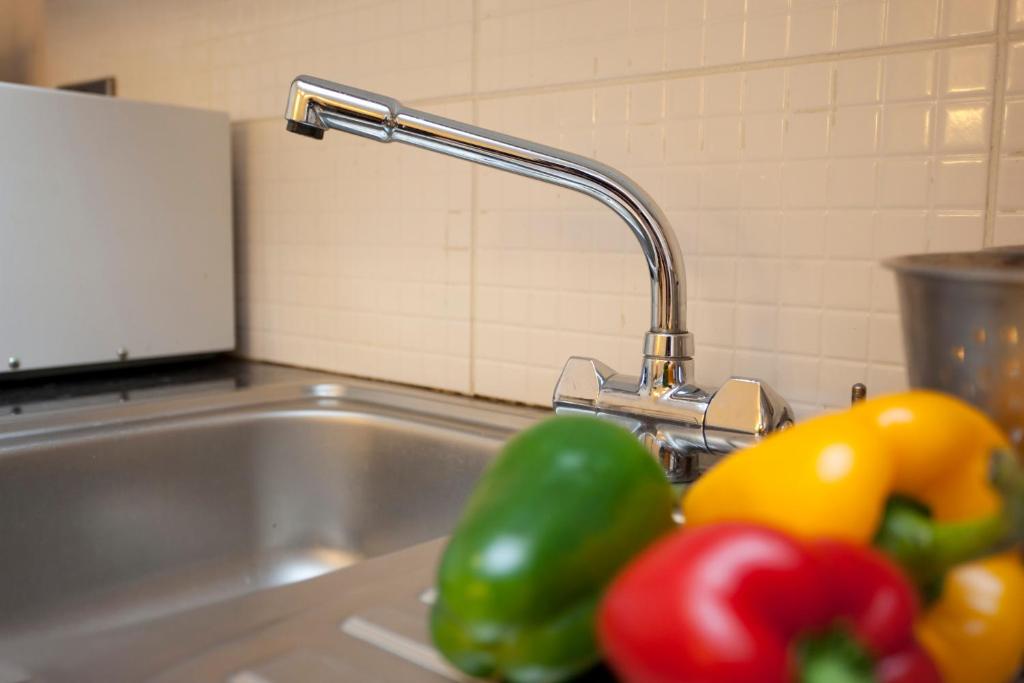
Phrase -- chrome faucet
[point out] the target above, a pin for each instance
(687, 427)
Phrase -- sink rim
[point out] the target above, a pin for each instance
(63, 422)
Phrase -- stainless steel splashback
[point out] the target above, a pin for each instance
(115, 230)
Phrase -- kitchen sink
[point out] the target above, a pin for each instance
(115, 519)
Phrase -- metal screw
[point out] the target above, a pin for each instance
(14, 362)
(122, 353)
(858, 392)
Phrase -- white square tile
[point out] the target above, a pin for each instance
(911, 20)
(718, 187)
(723, 41)
(646, 144)
(682, 141)
(909, 76)
(899, 232)
(1016, 14)
(724, 9)
(764, 90)
(646, 52)
(682, 12)
(799, 330)
(848, 285)
(758, 233)
(722, 94)
(907, 128)
(802, 234)
(722, 139)
(798, 378)
(762, 136)
(682, 188)
(684, 46)
(715, 324)
(1011, 180)
(683, 98)
(957, 232)
(835, 380)
(964, 127)
(759, 364)
(756, 327)
(852, 183)
(858, 81)
(844, 335)
(960, 183)
(804, 183)
(883, 289)
(761, 186)
(855, 131)
(646, 102)
(967, 70)
(800, 283)
(1009, 230)
(765, 37)
(905, 183)
(886, 379)
(962, 17)
(611, 104)
(759, 8)
(848, 234)
(717, 232)
(810, 86)
(806, 135)
(811, 30)
(886, 339)
(859, 24)
(1013, 128)
(757, 281)
(715, 365)
(1015, 68)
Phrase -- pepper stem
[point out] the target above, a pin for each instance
(834, 657)
(1007, 476)
(927, 550)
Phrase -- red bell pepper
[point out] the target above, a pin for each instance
(741, 603)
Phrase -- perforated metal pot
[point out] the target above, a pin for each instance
(963, 328)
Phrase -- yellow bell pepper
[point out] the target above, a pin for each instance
(924, 478)
(975, 632)
(831, 476)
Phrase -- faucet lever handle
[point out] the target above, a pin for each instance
(741, 412)
(580, 384)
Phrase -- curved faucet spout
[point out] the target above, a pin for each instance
(316, 105)
(685, 426)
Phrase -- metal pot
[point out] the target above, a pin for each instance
(963, 328)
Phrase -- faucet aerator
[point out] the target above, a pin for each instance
(306, 129)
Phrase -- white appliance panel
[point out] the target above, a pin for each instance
(115, 230)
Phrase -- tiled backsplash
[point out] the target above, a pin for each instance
(793, 144)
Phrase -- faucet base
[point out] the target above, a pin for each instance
(686, 427)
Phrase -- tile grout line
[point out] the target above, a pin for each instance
(1001, 34)
(474, 174)
(998, 120)
(671, 74)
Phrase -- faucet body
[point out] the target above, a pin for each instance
(686, 427)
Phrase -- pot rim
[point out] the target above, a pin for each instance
(1004, 265)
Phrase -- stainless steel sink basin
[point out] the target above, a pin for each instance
(114, 518)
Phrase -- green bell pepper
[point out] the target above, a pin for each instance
(567, 504)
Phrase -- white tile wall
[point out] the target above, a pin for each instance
(336, 275)
(1009, 219)
(793, 144)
